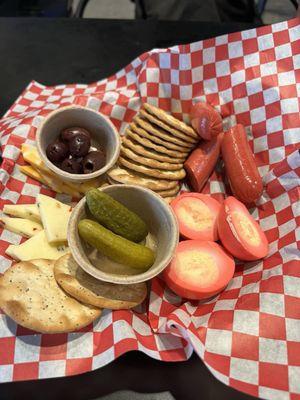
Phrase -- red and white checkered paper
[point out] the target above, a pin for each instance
(249, 335)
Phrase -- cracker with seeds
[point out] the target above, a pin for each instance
(30, 295)
(89, 290)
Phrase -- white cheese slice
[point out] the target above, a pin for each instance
(21, 226)
(28, 211)
(55, 217)
(36, 247)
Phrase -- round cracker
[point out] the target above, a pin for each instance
(162, 193)
(42, 262)
(154, 146)
(90, 290)
(149, 162)
(149, 135)
(169, 193)
(30, 295)
(170, 120)
(168, 128)
(141, 150)
(123, 175)
(165, 131)
(157, 173)
(161, 134)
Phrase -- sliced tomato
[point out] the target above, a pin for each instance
(199, 270)
(197, 216)
(239, 233)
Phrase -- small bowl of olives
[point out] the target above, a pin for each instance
(78, 143)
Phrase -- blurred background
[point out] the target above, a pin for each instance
(266, 11)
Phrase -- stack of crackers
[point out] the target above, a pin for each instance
(153, 151)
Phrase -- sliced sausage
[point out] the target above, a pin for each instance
(206, 121)
(245, 181)
(202, 161)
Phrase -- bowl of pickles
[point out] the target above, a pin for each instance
(122, 234)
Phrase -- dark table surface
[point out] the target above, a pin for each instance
(54, 51)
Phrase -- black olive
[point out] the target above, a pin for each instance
(68, 133)
(57, 151)
(93, 161)
(72, 165)
(79, 145)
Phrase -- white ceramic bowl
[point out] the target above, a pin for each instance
(103, 135)
(163, 232)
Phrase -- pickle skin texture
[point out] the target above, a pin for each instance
(116, 217)
(114, 246)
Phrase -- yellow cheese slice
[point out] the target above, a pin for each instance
(32, 172)
(55, 217)
(83, 187)
(36, 247)
(50, 182)
(28, 211)
(58, 185)
(31, 155)
(21, 226)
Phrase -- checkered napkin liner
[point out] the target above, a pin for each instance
(249, 335)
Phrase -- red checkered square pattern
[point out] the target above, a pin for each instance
(249, 335)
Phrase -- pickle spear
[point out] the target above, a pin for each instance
(116, 217)
(114, 246)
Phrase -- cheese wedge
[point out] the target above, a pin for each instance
(21, 226)
(55, 217)
(50, 182)
(36, 247)
(83, 187)
(31, 155)
(28, 211)
(32, 172)
(57, 185)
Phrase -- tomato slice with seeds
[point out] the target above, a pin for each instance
(199, 270)
(197, 216)
(239, 233)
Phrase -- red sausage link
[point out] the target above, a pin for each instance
(245, 181)
(202, 161)
(206, 120)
